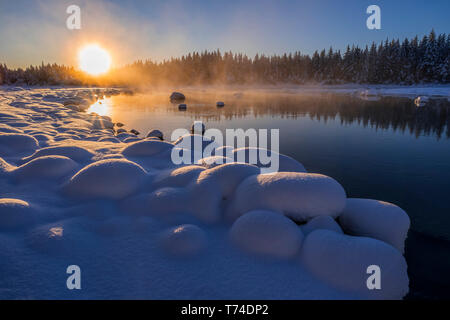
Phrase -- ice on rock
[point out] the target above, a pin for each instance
(321, 222)
(267, 233)
(46, 167)
(15, 144)
(342, 261)
(184, 240)
(253, 155)
(300, 196)
(15, 213)
(227, 176)
(146, 148)
(179, 177)
(376, 219)
(109, 179)
(75, 153)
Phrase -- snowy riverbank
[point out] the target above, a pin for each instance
(74, 191)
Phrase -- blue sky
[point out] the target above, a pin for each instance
(33, 31)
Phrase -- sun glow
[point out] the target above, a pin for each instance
(94, 60)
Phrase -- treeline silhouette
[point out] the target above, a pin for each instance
(391, 62)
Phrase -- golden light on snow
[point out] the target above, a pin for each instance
(94, 60)
(101, 107)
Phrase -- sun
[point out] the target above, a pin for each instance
(94, 60)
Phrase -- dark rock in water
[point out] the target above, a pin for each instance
(121, 131)
(135, 132)
(182, 106)
(155, 133)
(119, 124)
(198, 127)
(220, 104)
(177, 96)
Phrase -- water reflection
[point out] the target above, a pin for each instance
(389, 113)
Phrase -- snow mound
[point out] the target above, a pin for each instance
(146, 148)
(184, 240)
(342, 261)
(14, 213)
(5, 167)
(109, 139)
(213, 161)
(46, 167)
(267, 233)
(227, 176)
(77, 154)
(376, 219)
(14, 144)
(321, 222)
(300, 196)
(110, 179)
(253, 156)
(191, 141)
(179, 177)
(155, 133)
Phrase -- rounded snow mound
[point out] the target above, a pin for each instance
(14, 213)
(109, 139)
(346, 262)
(110, 179)
(267, 233)
(213, 161)
(227, 176)
(300, 196)
(46, 167)
(184, 240)
(196, 143)
(77, 154)
(146, 148)
(155, 134)
(257, 156)
(179, 177)
(321, 222)
(376, 219)
(14, 144)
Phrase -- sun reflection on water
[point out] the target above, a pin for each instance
(102, 107)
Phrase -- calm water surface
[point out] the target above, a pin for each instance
(387, 150)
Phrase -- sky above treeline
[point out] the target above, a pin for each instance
(33, 31)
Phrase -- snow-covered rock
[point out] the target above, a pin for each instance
(300, 196)
(179, 177)
(46, 167)
(15, 213)
(213, 161)
(17, 144)
(111, 179)
(146, 148)
(322, 223)
(184, 240)
(376, 219)
(155, 133)
(343, 261)
(227, 176)
(267, 233)
(254, 156)
(78, 154)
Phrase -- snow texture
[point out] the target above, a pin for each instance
(75, 190)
